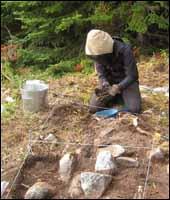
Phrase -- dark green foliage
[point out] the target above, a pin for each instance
(53, 32)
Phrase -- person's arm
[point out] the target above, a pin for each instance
(100, 71)
(130, 69)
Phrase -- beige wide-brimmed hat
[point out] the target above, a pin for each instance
(98, 42)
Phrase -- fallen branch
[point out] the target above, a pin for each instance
(26, 186)
(5, 76)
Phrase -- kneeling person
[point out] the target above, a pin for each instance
(117, 72)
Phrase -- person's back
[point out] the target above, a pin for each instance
(117, 68)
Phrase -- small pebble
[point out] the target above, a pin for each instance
(156, 154)
(105, 163)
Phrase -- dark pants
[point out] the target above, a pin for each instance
(130, 97)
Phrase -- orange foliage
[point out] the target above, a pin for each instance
(78, 68)
(9, 52)
(136, 52)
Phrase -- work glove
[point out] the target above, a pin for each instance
(101, 93)
(103, 90)
(114, 89)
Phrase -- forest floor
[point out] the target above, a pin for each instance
(70, 122)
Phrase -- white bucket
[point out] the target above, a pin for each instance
(34, 95)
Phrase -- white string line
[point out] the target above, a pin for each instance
(29, 151)
(18, 173)
(71, 101)
(81, 144)
(81, 104)
(7, 171)
(92, 106)
(147, 174)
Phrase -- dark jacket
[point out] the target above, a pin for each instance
(123, 70)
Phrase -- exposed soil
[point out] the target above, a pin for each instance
(71, 123)
(43, 166)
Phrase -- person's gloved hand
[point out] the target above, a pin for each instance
(114, 89)
(98, 91)
(102, 91)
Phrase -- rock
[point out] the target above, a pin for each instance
(135, 121)
(41, 137)
(40, 190)
(163, 113)
(105, 163)
(94, 184)
(4, 185)
(164, 147)
(2, 108)
(156, 154)
(66, 166)
(75, 188)
(127, 162)
(144, 95)
(78, 151)
(116, 150)
(168, 169)
(50, 138)
(161, 89)
(9, 99)
(144, 88)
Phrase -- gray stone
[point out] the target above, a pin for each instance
(105, 163)
(127, 162)
(156, 154)
(75, 188)
(94, 184)
(116, 150)
(66, 166)
(40, 190)
(9, 99)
